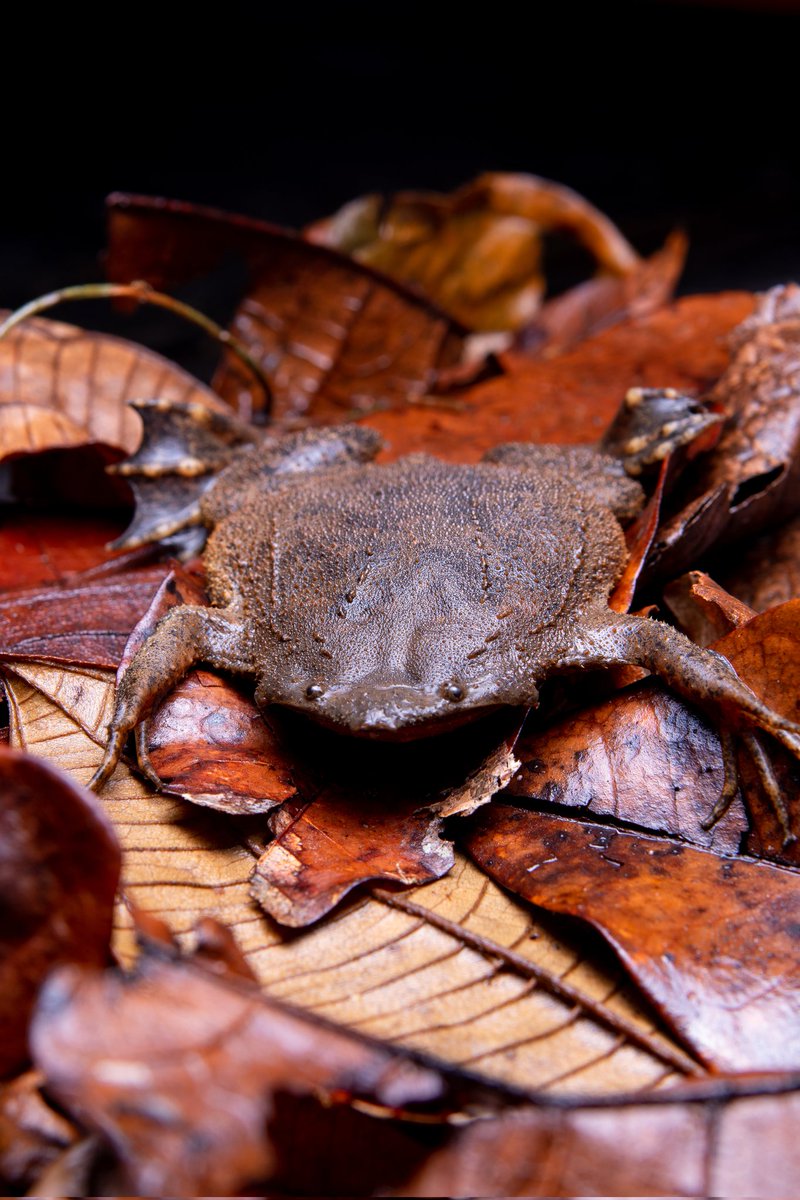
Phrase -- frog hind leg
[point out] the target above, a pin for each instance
(701, 676)
(184, 447)
(600, 475)
(186, 636)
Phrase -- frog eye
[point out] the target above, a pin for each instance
(454, 691)
(314, 691)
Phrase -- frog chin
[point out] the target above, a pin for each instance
(367, 714)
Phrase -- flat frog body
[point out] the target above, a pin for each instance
(394, 601)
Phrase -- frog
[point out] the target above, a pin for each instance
(397, 600)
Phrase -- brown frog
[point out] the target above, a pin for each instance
(394, 601)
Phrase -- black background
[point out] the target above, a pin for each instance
(663, 114)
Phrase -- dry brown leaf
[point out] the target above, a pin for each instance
(731, 989)
(478, 251)
(701, 1144)
(63, 387)
(768, 572)
(87, 624)
(382, 821)
(59, 865)
(335, 338)
(703, 609)
(458, 968)
(179, 1070)
(32, 1134)
(575, 396)
(43, 550)
(599, 303)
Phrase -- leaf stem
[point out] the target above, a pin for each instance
(142, 293)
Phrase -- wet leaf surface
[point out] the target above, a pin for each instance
(59, 865)
(730, 989)
(174, 1057)
(742, 1146)
(335, 338)
(478, 251)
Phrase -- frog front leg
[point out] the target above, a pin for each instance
(186, 636)
(702, 677)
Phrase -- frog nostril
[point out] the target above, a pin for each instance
(314, 691)
(454, 692)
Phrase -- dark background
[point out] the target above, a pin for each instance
(661, 113)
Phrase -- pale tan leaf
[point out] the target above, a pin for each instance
(61, 386)
(458, 969)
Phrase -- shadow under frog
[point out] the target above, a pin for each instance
(397, 601)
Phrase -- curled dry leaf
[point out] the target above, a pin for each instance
(458, 968)
(64, 387)
(335, 338)
(753, 474)
(59, 865)
(697, 1144)
(176, 1058)
(599, 303)
(703, 609)
(478, 251)
(384, 822)
(32, 1134)
(731, 989)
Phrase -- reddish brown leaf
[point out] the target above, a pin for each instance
(384, 822)
(639, 538)
(63, 387)
(645, 758)
(175, 1058)
(766, 653)
(85, 625)
(690, 1146)
(768, 573)
(207, 741)
(476, 252)
(753, 475)
(641, 756)
(732, 988)
(32, 1134)
(335, 338)
(38, 550)
(326, 847)
(599, 303)
(59, 865)
(575, 396)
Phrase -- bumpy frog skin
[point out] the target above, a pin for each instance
(394, 601)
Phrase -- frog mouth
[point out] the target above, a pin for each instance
(392, 719)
